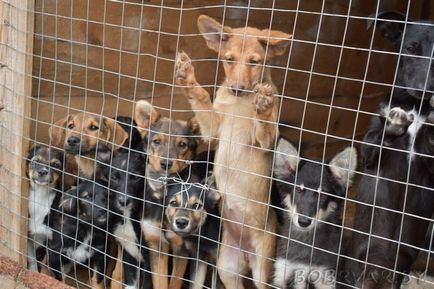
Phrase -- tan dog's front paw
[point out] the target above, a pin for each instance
(264, 98)
(184, 73)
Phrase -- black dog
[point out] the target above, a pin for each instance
(127, 182)
(44, 169)
(192, 214)
(398, 165)
(311, 195)
(80, 232)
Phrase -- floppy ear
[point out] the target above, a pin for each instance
(277, 42)
(214, 33)
(286, 159)
(69, 201)
(145, 116)
(116, 134)
(57, 131)
(343, 166)
(392, 31)
(213, 196)
(193, 125)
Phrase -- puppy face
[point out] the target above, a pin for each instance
(187, 207)
(126, 177)
(44, 166)
(308, 188)
(168, 143)
(244, 51)
(80, 133)
(93, 203)
(415, 68)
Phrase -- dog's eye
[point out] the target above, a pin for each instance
(254, 61)
(182, 144)
(229, 60)
(173, 203)
(298, 190)
(134, 177)
(93, 127)
(55, 165)
(114, 177)
(412, 48)
(156, 142)
(196, 206)
(71, 125)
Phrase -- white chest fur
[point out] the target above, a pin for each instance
(40, 200)
(126, 236)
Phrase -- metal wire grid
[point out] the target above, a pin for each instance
(285, 92)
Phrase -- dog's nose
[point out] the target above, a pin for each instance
(304, 221)
(237, 89)
(181, 223)
(43, 173)
(73, 140)
(166, 164)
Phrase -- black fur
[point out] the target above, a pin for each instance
(310, 218)
(389, 153)
(82, 220)
(127, 182)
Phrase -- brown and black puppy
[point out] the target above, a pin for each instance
(169, 145)
(192, 213)
(83, 135)
(44, 170)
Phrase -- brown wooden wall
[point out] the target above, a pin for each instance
(102, 55)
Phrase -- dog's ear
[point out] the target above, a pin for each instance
(116, 135)
(277, 42)
(390, 30)
(57, 131)
(343, 166)
(214, 33)
(69, 201)
(213, 196)
(145, 116)
(193, 125)
(286, 159)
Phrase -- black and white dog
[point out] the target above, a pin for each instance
(81, 232)
(395, 196)
(311, 194)
(127, 182)
(44, 169)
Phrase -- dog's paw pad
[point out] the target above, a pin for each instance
(183, 66)
(264, 97)
(398, 116)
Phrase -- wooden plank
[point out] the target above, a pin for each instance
(16, 46)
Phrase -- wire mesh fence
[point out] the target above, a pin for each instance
(218, 144)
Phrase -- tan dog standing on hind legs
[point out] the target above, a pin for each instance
(243, 118)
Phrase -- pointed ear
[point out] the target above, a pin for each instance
(193, 125)
(116, 135)
(286, 159)
(145, 116)
(390, 30)
(57, 131)
(343, 166)
(215, 34)
(277, 42)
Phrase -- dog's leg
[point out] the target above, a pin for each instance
(266, 109)
(198, 97)
(131, 268)
(199, 276)
(231, 262)
(55, 263)
(159, 265)
(178, 272)
(261, 262)
(117, 275)
(397, 120)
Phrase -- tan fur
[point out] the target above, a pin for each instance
(108, 132)
(244, 123)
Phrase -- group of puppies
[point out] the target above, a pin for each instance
(265, 210)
